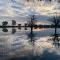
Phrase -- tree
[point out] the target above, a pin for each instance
(13, 22)
(4, 23)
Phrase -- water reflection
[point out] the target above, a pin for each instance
(18, 45)
(27, 44)
(5, 30)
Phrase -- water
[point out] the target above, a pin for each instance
(18, 45)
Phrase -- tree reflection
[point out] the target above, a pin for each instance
(13, 31)
(31, 24)
(5, 30)
(56, 22)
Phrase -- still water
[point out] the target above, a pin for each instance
(19, 47)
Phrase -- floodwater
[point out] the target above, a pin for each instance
(18, 46)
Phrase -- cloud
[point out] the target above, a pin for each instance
(18, 7)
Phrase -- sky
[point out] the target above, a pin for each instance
(22, 8)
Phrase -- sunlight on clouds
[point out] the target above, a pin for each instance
(9, 11)
(40, 7)
(45, 9)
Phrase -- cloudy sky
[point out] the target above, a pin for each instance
(21, 7)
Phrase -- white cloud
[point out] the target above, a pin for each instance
(17, 7)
